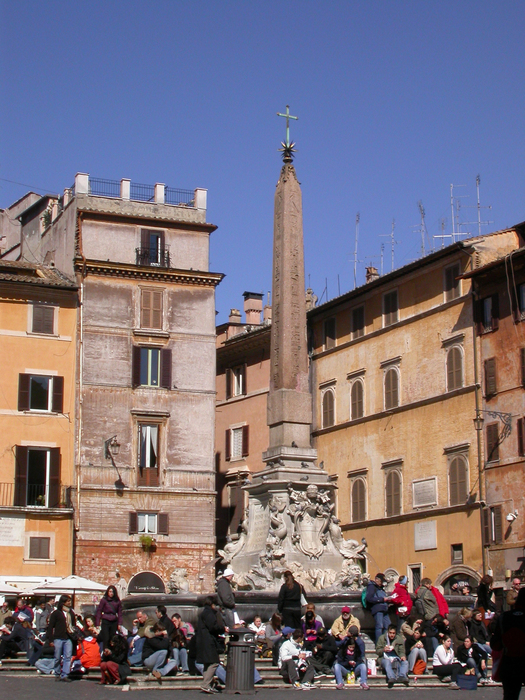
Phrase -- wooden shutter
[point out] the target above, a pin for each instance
(133, 527)
(43, 319)
(487, 527)
(492, 442)
(393, 493)
(54, 477)
(20, 476)
(358, 322)
(522, 358)
(328, 409)
(497, 514)
(454, 369)
(23, 392)
(163, 524)
(165, 368)
(358, 501)
(329, 333)
(228, 445)
(244, 372)
(245, 440)
(39, 547)
(478, 316)
(521, 436)
(135, 365)
(391, 389)
(458, 481)
(151, 309)
(495, 312)
(357, 400)
(57, 405)
(490, 377)
(229, 378)
(144, 244)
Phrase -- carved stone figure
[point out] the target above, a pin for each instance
(178, 582)
(233, 547)
(350, 549)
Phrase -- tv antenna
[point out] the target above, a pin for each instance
(455, 206)
(422, 227)
(478, 206)
(357, 219)
(443, 235)
(392, 241)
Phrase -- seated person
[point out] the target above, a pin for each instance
(45, 662)
(293, 663)
(179, 651)
(351, 657)
(343, 623)
(414, 621)
(142, 629)
(88, 653)
(259, 631)
(274, 636)
(443, 664)
(415, 649)
(324, 652)
(311, 608)
(186, 627)
(390, 650)
(155, 649)
(310, 628)
(473, 657)
(114, 667)
(479, 632)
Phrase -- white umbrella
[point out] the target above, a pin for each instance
(6, 589)
(70, 584)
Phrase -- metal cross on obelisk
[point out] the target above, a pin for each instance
(287, 147)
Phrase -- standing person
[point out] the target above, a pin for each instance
(207, 643)
(509, 638)
(108, 615)
(376, 600)
(443, 664)
(60, 631)
(226, 597)
(512, 594)
(289, 601)
(402, 601)
(42, 613)
(485, 601)
(426, 603)
(351, 657)
(390, 649)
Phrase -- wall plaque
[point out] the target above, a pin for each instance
(259, 524)
(424, 492)
(425, 536)
(12, 532)
(146, 582)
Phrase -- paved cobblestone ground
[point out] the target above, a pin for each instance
(46, 689)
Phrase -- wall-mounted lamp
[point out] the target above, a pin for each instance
(505, 418)
(511, 517)
(111, 447)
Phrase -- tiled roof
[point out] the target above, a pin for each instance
(30, 273)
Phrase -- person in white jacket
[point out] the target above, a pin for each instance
(293, 662)
(444, 665)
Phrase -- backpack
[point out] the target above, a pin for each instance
(420, 608)
(364, 602)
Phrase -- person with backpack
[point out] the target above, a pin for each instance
(509, 640)
(377, 601)
(426, 603)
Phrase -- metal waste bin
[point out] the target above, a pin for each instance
(240, 666)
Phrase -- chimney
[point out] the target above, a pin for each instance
(267, 315)
(253, 308)
(235, 316)
(371, 274)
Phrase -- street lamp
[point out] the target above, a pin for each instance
(111, 447)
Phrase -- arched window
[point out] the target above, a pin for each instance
(391, 388)
(356, 400)
(458, 482)
(393, 493)
(328, 408)
(358, 501)
(454, 369)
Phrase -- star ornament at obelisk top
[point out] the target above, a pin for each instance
(287, 148)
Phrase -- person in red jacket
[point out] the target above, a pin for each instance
(440, 600)
(402, 600)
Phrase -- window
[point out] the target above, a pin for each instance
(151, 309)
(491, 386)
(456, 554)
(487, 314)
(37, 476)
(43, 320)
(457, 481)
(358, 500)
(358, 322)
(522, 366)
(40, 393)
(329, 333)
(414, 577)
(390, 308)
(39, 547)
(454, 368)
(236, 381)
(151, 367)
(492, 435)
(492, 525)
(452, 283)
(393, 493)
(237, 442)
(152, 250)
(148, 454)
(356, 400)
(328, 408)
(142, 523)
(519, 305)
(521, 436)
(391, 388)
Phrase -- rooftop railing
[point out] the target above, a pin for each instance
(136, 191)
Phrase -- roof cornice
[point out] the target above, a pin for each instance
(149, 274)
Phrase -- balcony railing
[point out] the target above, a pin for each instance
(104, 188)
(181, 198)
(153, 257)
(36, 495)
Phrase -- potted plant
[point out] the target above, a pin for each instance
(148, 543)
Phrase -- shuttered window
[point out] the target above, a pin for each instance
(358, 501)
(237, 442)
(492, 434)
(329, 333)
(491, 387)
(393, 493)
(492, 525)
(454, 369)
(40, 393)
(328, 408)
(522, 365)
(39, 547)
(521, 436)
(391, 389)
(148, 454)
(486, 314)
(452, 283)
(37, 476)
(358, 322)
(390, 308)
(458, 489)
(356, 393)
(151, 367)
(43, 319)
(151, 309)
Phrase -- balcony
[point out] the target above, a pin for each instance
(153, 257)
(35, 496)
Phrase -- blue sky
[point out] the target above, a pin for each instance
(396, 100)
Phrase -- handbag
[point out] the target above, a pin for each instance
(419, 667)
(303, 599)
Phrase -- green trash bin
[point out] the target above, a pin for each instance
(240, 665)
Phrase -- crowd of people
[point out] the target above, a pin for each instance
(409, 631)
